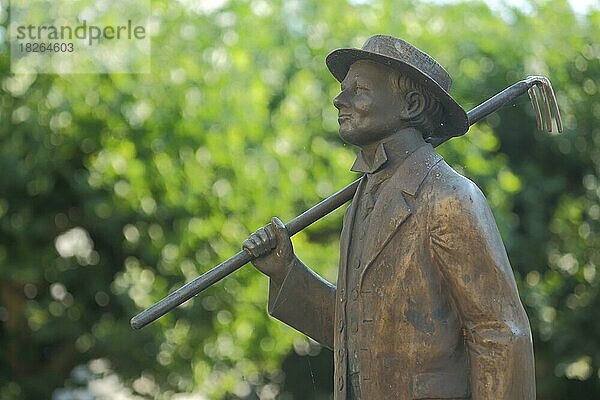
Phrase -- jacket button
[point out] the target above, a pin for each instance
(354, 294)
(340, 383)
(357, 264)
(341, 323)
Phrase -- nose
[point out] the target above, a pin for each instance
(340, 100)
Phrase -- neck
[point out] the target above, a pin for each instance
(398, 145)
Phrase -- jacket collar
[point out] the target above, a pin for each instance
(391, 206)
(390, 158)
(361, 164)
(413, 171)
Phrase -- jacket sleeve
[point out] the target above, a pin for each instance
(305, 302)
(467, 248)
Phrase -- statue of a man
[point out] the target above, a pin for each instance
(426, 305)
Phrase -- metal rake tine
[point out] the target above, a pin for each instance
(549, 102)
(551, 96)
(547, 116)
(536, 106)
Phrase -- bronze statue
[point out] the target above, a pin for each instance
(426, 305)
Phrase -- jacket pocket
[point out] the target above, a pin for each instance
(440, 385)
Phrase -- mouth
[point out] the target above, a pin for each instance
(343, 117)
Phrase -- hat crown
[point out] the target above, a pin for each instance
(405, 52)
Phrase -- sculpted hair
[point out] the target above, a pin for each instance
(431, 115)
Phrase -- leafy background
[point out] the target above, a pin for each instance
(116, 189)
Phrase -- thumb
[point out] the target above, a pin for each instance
(280, 230)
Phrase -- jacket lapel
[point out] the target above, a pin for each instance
(340, 337)
(389, 212)
(391, 209)
(347, 228)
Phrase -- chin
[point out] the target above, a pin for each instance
(349, 137)
(358, 137)
(353, 136)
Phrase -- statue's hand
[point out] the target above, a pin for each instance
(272, 247)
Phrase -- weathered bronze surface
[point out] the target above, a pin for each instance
(426, 305)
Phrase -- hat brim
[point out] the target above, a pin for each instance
(454, 121)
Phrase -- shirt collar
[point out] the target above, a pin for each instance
(361, 165)
(386, 155)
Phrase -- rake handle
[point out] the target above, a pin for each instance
(305, 219)
(498, 100)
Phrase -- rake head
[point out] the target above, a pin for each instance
(544, 104)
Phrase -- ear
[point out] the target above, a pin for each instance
(414, 104)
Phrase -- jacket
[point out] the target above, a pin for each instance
(440, 316)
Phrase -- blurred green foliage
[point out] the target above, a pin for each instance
(116, 189)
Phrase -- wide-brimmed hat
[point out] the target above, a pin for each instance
(423, 69)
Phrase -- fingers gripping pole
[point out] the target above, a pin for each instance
(214, 275)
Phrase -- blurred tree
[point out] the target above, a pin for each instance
(115, 189)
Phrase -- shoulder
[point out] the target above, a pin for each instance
(452, 194)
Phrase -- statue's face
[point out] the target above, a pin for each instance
(368, 104)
